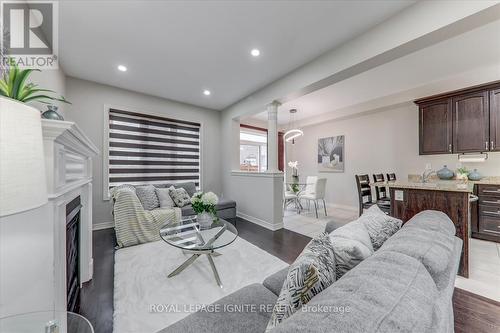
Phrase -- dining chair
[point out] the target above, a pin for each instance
(317, 194)
(391, 177)
(380, 191)
(310, 184)
(288, 196)
(365, 195)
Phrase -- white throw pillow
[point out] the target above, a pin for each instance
(164, 198)
(180, 196)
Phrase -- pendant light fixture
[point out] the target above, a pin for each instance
(293, 132)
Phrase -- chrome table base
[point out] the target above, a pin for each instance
(209, 253)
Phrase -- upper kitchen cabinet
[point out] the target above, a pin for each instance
(435, 127)
(495, 120)
(471, 122)
(463, 121)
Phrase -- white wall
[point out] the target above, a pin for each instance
(87, 110)
(380, 142)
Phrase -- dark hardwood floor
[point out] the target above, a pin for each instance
(473, 313)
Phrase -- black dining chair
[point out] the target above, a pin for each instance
(365, 195)
(391, 177)
(381, 191)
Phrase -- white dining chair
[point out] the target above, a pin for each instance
(310, 184)
(288, 196)
(317, 194)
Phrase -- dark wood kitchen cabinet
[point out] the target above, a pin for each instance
(470, 122)
(495, 120)
(435, 119)
(462, 121)
(485, 221)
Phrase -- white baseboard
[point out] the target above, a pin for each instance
(103, 225)
(260, 222)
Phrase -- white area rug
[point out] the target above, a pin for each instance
(141, 281)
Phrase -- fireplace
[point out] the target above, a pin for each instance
(73, 254)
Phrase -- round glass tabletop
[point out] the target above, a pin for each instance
(46, 321)
(188, 235)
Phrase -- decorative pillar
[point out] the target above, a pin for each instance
(272, 136)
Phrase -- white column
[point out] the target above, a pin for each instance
(235, 145)
(272, 137)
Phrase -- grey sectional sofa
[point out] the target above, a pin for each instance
(405, 286)
(226, 208)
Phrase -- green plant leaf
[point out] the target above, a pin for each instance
(12, 78)
(38, 98)
(31, 90)
(4, 88)
(21, 81)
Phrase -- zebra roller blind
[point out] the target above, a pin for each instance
(146, 149)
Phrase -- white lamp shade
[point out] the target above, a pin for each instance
(23, 185)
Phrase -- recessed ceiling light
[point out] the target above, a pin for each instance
(255, 52)
(122, 68)
(206, 92)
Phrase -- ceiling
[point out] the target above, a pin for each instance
(452, 64)
(177, 49)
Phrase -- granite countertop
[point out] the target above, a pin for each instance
(442, 185)
(435, 184)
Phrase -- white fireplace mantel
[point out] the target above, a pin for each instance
(68, 162)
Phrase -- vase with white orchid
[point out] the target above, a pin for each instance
(204, 204)
(294, 165)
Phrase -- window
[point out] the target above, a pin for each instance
(253, 150)
(147, 149)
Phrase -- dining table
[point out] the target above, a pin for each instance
(297, 188)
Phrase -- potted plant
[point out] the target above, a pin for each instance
(14, 85)
(204, 206)
(462, 174)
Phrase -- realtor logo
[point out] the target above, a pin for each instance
(29, 33)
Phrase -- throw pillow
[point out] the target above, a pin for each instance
(379, 225)
(147, 197)
(348, 253)
(356, 231)
(312, 272)
(179, 195)
(164, 198)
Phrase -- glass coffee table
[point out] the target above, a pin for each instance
(190, 238)
(46, 321)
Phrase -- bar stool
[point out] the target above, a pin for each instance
(391, 177)
(381, 191)
(365, 195)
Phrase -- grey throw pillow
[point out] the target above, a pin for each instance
(379, 225)
(147, 197)
(179, 195)
(348, 253)
(312, 272)
(354, 230)
(164, 198)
